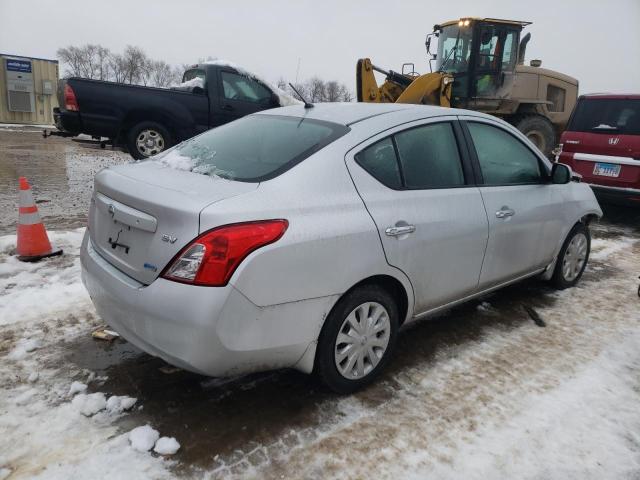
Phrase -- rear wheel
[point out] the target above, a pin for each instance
(573, 257)
(147, 139)
(539, 130)
(357, 339)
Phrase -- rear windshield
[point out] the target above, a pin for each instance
(619, 116)
(253, 148)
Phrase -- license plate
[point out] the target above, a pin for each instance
(607, 169)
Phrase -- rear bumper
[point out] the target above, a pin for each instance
(68, 122)
(624, 187)
(211, 331)
(628, 196)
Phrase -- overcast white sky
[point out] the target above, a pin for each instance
(597, 42)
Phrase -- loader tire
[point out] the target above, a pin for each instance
(539, 130)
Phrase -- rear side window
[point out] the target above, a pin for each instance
(240, 87)
(429, 157)
(503, 159)
(253, 148)
(595, 115)
(380, 161)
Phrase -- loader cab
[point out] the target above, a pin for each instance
(482, 55)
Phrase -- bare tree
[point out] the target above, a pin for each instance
(333, 91)
(135, 67)
(135, 64)
(317, 90)
(161, 74)
(87, 61)
(117, 67)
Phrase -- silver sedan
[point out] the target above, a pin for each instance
(306, 237)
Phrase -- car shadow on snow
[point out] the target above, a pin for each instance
(229, 418)
(225, 421)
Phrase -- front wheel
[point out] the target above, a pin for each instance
(357, 339)
(573, 257)
(147, 139)
(539, 130)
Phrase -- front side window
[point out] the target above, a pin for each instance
(239, 87)
(429, 157)
(253, 148)
(504, 160)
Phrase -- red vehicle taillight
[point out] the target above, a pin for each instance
(211, 258)
(70, 101)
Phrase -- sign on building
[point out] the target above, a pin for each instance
(19, 85)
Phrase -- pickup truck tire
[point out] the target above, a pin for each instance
(539, 130)
(146, 139)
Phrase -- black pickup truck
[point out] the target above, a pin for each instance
(148, 120)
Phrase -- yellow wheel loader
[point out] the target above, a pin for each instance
(479, 65)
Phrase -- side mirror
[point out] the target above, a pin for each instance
(560, 173)
(199, 90)
(275, 100)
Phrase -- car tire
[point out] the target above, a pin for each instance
(573, 257)
(146, 139)
(539, 130)
(367, 318)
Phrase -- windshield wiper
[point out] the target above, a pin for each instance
(454, 49)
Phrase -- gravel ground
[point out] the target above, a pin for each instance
(480, 391)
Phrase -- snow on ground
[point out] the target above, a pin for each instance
(514, 401)
(46, 431)
(32, 291)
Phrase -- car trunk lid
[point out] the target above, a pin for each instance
(142, 214)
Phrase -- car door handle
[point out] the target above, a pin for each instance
(505, 212)
(399, 230)
(227, 107)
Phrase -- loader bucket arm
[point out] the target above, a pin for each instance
(429, 89)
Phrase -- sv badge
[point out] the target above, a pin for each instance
(169, 238)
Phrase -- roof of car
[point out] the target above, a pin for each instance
(605, 96)
(348, 113)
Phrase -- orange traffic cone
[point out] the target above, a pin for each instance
(33, 242)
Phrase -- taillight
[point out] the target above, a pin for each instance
(212, 257)
(70, 101)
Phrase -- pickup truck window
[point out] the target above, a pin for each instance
(195, 73)
(255, 148)
(239, 87)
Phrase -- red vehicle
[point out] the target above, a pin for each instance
(602, 143)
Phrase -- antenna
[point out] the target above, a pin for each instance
(306, 104)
